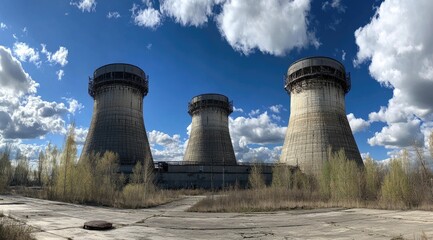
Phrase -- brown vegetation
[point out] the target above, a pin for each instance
(92, 180)
(12, 230)
(341, 184)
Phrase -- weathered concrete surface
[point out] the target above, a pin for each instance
(55, 220)
(318, 121)
(209, 142)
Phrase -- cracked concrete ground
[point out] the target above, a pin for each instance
(56, 220)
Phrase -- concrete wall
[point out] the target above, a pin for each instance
(317, 122)
(207, 177)
(117, 125)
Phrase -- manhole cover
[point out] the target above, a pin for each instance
(98, 225)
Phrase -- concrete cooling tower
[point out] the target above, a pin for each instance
(117, 122)
(317, 86)
(209, 141)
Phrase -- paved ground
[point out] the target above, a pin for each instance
(56, 220)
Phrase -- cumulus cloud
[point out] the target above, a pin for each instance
(26, 53)
(3, 26)
(80, 135)
(114, 15)
(13, 79)
(35, 117)
(257, 130)
(252, 135)
(273, 27)
(85, 5)
(399, 51)
(259, 154)
(74, 105)
(148, 17)
(59, 57)
(23, 113)
(188, 12)
(165, 147)
(397, 135)
(357, 124)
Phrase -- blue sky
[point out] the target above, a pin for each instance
(234, 47)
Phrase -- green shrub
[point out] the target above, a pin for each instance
(395, 187)
(340, 179)
(372, 179)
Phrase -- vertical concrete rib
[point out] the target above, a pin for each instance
(117, 122)
(209, 141)
(318, 121)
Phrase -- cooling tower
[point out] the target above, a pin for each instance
(117, 122)
(318, 122)
(209, 141)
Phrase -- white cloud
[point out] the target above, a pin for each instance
(255, 130)
(336, 4)
(237, 109)
(149, 17)
(30, 151)
(343, 55)
(23, 113)
(259, 154)
(74, 105)
(85, 5)
(253, 136)
(149, 46)
(59, 57)
(165, 147)
(276, 108)
(357, 124)
(114, 15)
(254, 112)
(13, 79)
(60, 74)
(273, 27)
(188, 12)
(399, 51)
(3, 26)
(80, 135)
(399, 135)
(26, 53)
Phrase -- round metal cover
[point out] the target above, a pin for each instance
(98, 225)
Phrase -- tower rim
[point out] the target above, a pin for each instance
(119, 73)
(318, 68)
(209, 100)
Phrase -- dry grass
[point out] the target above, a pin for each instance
(12, 230)
(275, 199)
(341, 184)
(266, 199)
